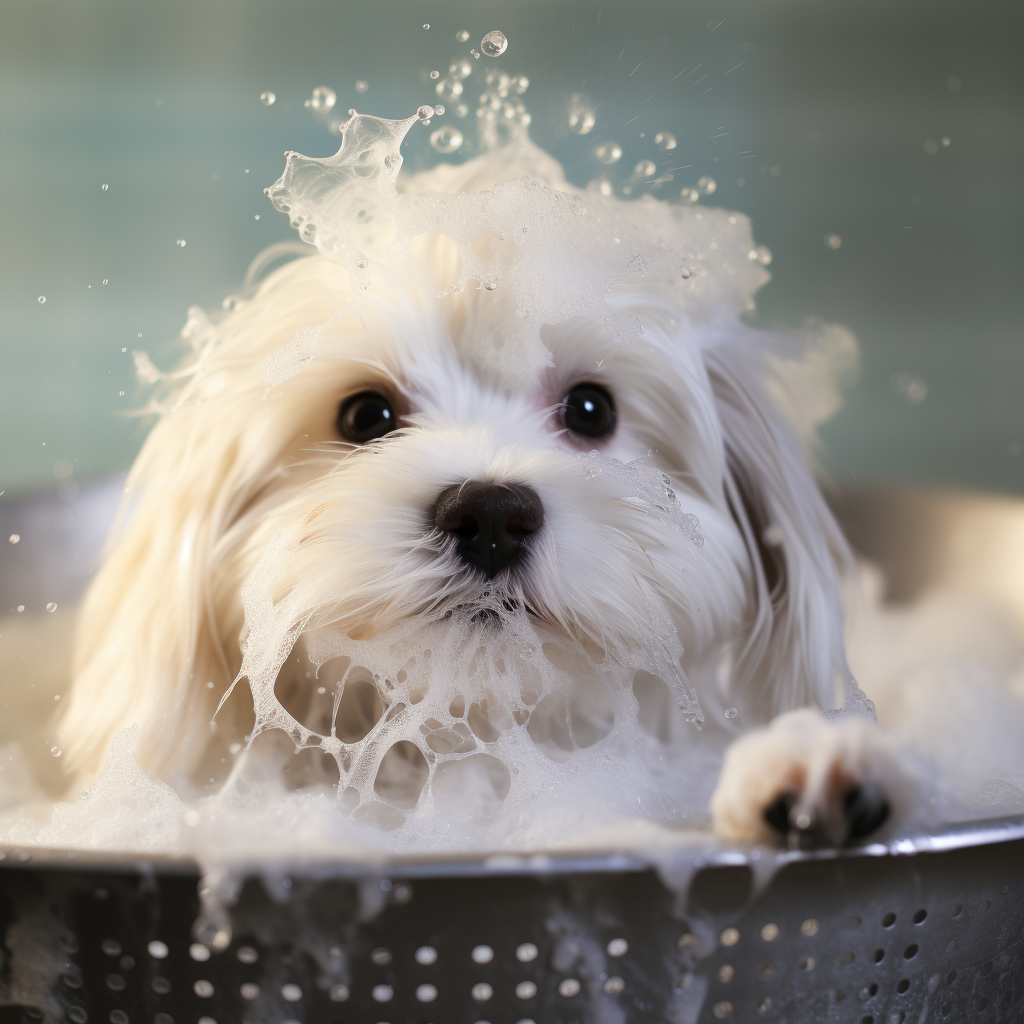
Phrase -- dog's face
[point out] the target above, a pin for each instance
(378, 466)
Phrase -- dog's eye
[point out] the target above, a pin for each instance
(365, 417)
(589, 410)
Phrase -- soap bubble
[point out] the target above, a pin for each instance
(362, 85)
(706, 184)
(449, 88)
(446, 140)
(267, 98)
(581, 116)
(912, 387)
(462, 36)
(833, 241)
(665, 141)
(42, 299)
(494, 44)
(460, 68)
(323, 99)
(608, 152)
(104, 187)
(425, 112)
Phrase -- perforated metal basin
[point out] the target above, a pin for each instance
(930, 931)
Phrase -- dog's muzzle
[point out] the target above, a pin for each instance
(491, 523)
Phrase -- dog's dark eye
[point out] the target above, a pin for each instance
(589, 410)
(365, 417)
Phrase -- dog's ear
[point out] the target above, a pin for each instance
(792, 653)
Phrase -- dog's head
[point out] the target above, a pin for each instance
(393, 462)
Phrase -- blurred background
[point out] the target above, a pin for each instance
(877, 147)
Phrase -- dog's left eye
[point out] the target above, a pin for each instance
(365, 417)
(588, 409)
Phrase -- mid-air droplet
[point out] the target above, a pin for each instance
(425, 112)
(42, 299)
(446, 140)
(267, 98)
(322, 100)
(104, 187)
(494, 44)
(665, 141)
(362, 85)
(730, 712)
(52, 606)
(462, 36)
(608, 152)
(706, 185)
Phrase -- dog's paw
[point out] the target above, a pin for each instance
(809, 782)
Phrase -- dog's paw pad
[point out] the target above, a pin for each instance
(807, 782)
(855, 813)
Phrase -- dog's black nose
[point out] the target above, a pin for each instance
(490, 522)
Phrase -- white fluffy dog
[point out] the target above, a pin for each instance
(427, 479)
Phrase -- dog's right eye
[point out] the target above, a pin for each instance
(365, 417)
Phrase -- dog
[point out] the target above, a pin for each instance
(426, 479)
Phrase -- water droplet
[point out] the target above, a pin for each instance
(665, 141)
(730, 712)
(460, 68)
(105, 280)
(439, 109)
(426, 27)
(762, 254)
(42, 299)
(52, 606)
(645, 169)
(449, 88)
(181, 242)
(425, 112)
(461, 110)
(446, 140)
(104, 187)
(268, 98)
(581, 117)
(323, 99)
(121, 393)
(494, 44)
(608, 152)
(833, 241)
(476, 54)
(362, 85)
(55, 751)
(462, 36)
(14, 538)
(706, 185)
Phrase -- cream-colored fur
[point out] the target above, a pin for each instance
(233, 460)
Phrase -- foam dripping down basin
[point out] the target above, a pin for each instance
(929, 928)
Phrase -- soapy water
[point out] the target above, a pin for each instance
(426, 738)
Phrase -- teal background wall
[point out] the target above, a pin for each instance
(832, 112)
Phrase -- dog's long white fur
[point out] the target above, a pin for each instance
(230, 462)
